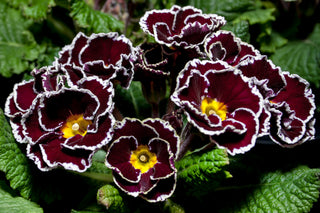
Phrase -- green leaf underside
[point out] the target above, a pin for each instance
(34, 9)
(290, 191)
(11, 204)
(300, 57)
(17, 45)
(94, 21)
(12, 161)
(200, 173)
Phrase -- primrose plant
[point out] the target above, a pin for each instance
(215, 87)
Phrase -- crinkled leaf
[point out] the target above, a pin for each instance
(131, 102)
(269, 42)
(9, 203)
(48, 56)
(17, 45)
(257, 16)
(240, 29)
(109, 196)
(228, 8)
(301, 57)
(291, 191)
(92, 20)
(35, 9)
(200, 173)
(13, 162)
(235, 10)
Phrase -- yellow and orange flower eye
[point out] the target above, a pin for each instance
(212, 106)
(75, 125)
(143, 159)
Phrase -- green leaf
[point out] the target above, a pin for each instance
(11, 204)
(291, 191)
(315, 35)
(228, 8)
(13, 162)
(257, 16)
(18, 47)
(269, 43)
(131, 102)
(92, 20)
(200, 173)
(109, 196)
(34, 9)
(301, 57)
(240, 29)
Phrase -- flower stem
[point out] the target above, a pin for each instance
(155, 110)
(186, 138)
(117, 114)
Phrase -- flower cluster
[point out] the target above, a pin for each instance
(225, 88)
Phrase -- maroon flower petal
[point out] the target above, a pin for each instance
(17, 129)
(164, 166)
(140, 156)
(298, 96)
(56, 155)
(56, 107)
(96, 139)
(166, 132)
(229, 90)
(73, 73)
(180, 26)
(103, 90)
(238, 94)
(136, 189)
(134, 127)
(32, 129)
(48, 79)
(193, 65)
(21, 99)
(107, 47)
(107, 55)
(265, 74)
(70, 53)
(285, 128)
(224, 45)
(98, 68)
(235, 142)
(34, 153)
(162, 191)
(118, 158)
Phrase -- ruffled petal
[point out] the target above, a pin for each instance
(118, 158)
(236, 142)
(166, 132)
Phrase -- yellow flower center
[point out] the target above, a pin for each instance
(143, 159)
(211, 106)
(75, 125)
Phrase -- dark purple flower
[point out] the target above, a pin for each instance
(225, 46)
(63, 123)
(220, 102)
(142, 157)
(292, 110)
(106, 55)
(180, 26)
(263, 73)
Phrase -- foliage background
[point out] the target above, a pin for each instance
(268, 178)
